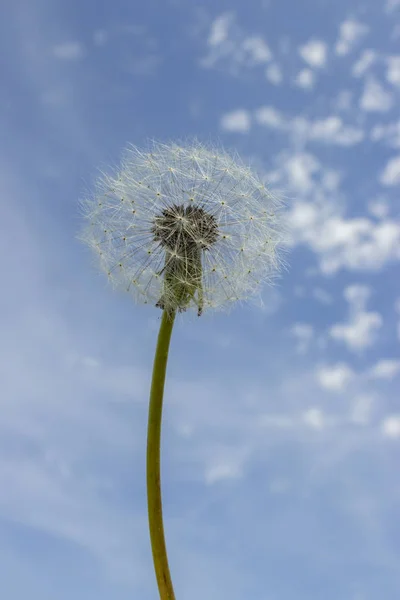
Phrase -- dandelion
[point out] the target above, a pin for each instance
(181, 227)
(184, 227)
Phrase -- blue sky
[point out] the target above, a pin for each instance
(281, 437)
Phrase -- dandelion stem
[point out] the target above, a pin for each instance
(154, 503)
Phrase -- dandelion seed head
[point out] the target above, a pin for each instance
(184, 226)
(181, 228)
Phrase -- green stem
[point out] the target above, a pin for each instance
(154, 503)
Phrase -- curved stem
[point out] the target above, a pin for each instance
(154, 503)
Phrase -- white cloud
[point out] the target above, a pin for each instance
(330, 180)
(389, 133)
(355, 243)
(343, 101)
(229, 46)
(391, 173)
(220, 29)
(335, 378)
(391, 5)
(350, 32)
(300, 169)
(90, 361)
(274, 74)
(303, 332)
(375, 98)
(393, 70)
(378, 208)
(270, 117)
(332, 130)
(314, 53)
(361, 409)
(222, 470)
(236, 121)
(391, 426)
(314, 418)
(305, 79)
(365, 61)
(256, 49)
(385, 369)
(360, 330)
(322, 296)
(68, 50)
(357, 295)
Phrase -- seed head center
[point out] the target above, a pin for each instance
(185, 229)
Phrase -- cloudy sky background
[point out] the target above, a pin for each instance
(281, 440)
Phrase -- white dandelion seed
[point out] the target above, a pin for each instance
(184, 226)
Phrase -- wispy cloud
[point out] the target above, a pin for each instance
(314, 52)
(236, 121)
(72, 50)
(350, 33)
(375, 98)
(360, 331)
